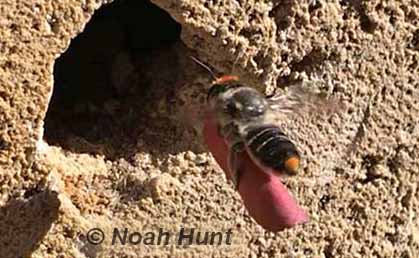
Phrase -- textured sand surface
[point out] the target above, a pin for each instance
(121, 147)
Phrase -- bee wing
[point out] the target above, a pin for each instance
(301, 101)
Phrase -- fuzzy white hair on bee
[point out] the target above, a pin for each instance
(241, 115)
(246, 120)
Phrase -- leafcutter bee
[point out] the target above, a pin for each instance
(246, 121)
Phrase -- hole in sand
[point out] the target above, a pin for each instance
(109, 82)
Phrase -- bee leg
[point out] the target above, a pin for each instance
(220, 131)
(227, 131)
(234, 163)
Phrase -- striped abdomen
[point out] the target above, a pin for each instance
(272, 148)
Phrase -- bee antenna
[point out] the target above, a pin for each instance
(206, 67)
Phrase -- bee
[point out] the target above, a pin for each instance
(246, 121)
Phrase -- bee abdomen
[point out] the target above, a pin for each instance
(273, 149)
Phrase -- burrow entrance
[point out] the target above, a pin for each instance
(110, 82)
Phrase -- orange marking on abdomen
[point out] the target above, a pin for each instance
(292, 164)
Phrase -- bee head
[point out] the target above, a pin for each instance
(221, 85)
